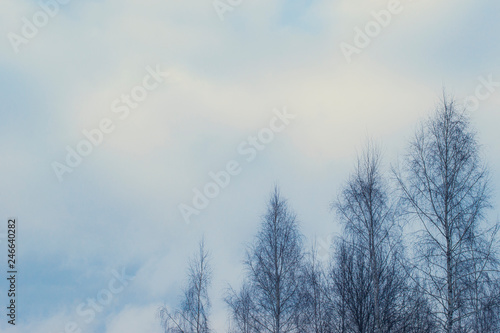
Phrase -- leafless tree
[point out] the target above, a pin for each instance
(316, 311)
(416, 312)
(369, 218)
(444, 186)
(349, 289)
(451, 285)
(274, 263)
(192, 315)
(242, 307)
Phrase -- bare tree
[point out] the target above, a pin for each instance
(242, 307)
(316, 313)
(192, 315)
(369, 218)
(274, 265)
(444, 185)
(416, 312)
(349, 290)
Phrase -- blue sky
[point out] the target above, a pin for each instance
(119, 207)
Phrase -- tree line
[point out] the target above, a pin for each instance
(416, 253)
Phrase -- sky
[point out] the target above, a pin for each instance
(257, 92)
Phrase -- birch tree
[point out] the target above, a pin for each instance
(369, 218)
(445, 187)
(193, 314)
(273, 263)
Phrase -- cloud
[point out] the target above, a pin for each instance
(119, 207)
(135, 319)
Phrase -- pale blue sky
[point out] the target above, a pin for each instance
(119, 208)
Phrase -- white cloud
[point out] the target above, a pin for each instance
(135, 319)
(120, 205)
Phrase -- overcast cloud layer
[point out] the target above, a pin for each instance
(118, 211)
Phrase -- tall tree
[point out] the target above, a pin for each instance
(242, 307)
(274, 263)
(350, 289)
(192, 315)
(316, 313)
(369, 218)
(444, 185)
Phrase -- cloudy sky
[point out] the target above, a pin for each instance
(231, 70)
